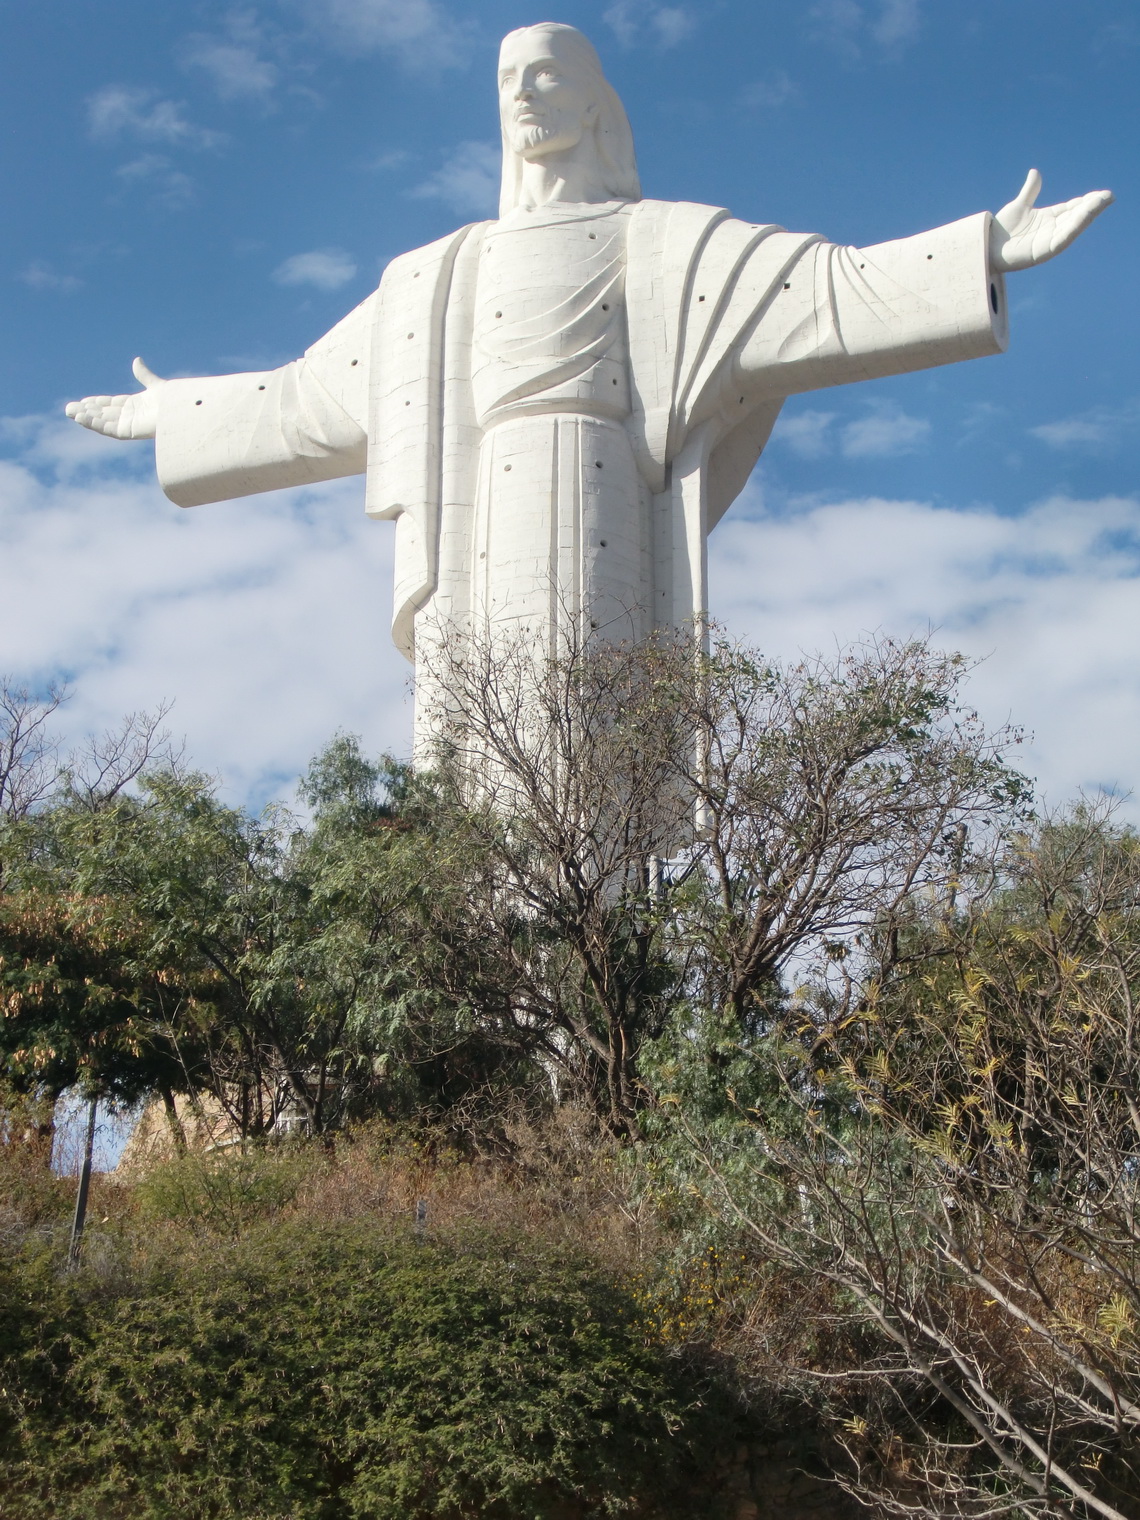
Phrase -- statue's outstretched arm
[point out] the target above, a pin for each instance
(846, 314)
(221, 436)
(1023, 234)
(133, 416)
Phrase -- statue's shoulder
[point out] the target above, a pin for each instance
(683, 216)
(684, 211)
(673, 230)
(669, 205)
(432, 256)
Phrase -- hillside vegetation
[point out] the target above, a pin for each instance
(708, 1059)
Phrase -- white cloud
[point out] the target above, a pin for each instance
(170, 186)
(265, 620)
(887, 431)
(468, 181)
(58, 447)
(1095, 431)
(1073, 431)
(837, 23)
(1048, 599)
(235, 61)
(1114, 36)
(41, 276)
(389, 159)
(119, 111)
(421, 33)
(326, 268)
(896, 23)
(807, 434)
(235, 69)
(977, 417)
(848, 27)
(771, 92)
(672, 23)
(630, 20)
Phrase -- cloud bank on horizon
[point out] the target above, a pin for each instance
(217, 191)
(266, 619)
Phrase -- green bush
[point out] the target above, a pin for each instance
(343, 1372)
(223, 1190)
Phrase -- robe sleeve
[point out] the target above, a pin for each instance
(846, 314)
(234, 435)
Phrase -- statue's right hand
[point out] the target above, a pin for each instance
(134, 416)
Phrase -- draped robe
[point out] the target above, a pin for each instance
(574, 458)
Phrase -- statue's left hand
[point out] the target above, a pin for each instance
(1023, 234)
(129, 416)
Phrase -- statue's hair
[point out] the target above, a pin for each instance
(612, 134)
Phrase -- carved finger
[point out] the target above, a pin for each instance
(1095, 202)
(145, 375)
(1071, 219)
(1027, 196)
(83, 413)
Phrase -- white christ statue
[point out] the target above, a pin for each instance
(558, 406)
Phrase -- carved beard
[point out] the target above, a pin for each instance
(525, 138)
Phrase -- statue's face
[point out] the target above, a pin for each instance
(545, 101)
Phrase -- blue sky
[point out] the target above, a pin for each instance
(213, 185)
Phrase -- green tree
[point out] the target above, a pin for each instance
(72, 987)
(658, 833)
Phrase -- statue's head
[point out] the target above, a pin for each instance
(554, 98)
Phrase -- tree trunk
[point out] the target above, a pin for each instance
(177, 1131)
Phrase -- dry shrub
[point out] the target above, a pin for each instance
(563, 1180)
(31, 1195)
